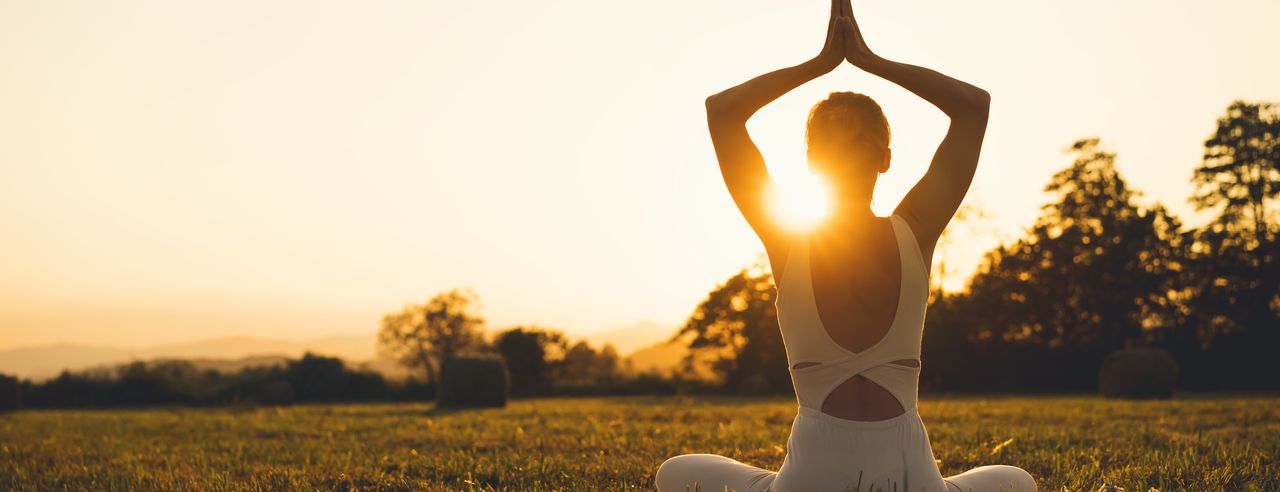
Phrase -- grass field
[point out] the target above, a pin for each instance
(1072, 443)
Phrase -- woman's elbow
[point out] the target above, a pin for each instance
(715, 104)
(981, 100)
(975, 105)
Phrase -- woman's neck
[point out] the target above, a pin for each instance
(851, 201)
(851, 213)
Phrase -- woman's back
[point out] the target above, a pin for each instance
(855, 364)
(855, 274)
(857, 399)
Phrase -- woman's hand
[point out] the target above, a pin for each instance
(855, 47)
(833, 52)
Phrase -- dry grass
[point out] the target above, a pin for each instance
(1076, 443)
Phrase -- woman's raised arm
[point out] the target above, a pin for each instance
(741, 164)
(929, 206)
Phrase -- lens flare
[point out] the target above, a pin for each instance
(800, 200)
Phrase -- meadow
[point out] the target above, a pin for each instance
(1069, 443)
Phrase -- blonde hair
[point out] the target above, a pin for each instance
(847, 125)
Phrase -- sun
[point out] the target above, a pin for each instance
(800, 200)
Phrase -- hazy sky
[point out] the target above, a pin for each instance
(175, 170)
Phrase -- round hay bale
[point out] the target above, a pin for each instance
(473, 382)
(1138, 373)
(10, 393)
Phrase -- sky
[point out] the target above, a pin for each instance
(173, 170)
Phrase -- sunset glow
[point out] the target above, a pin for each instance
(175, 171)
(801, 200)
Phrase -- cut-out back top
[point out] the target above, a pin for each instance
(824, 364)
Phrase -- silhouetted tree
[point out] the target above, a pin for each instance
(1241, 169)
(583, 366)
(530, 353)
(422, 335)
(736, 328)
(158, 382)
(1234, 274)
(312, 378)
(317, 378)
(69, 391)
(607, 364)
(1096, 273)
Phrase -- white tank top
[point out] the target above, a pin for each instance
(808, 342)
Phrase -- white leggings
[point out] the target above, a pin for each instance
(714, 473)
(827, 454)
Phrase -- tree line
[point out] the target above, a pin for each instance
(309, 379)
(1096, 273)
(540, 361)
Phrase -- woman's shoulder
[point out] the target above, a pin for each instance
(781, 250)
(921, 245)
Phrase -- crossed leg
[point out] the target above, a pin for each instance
(992, 478)
(711, 473)
(714, 473)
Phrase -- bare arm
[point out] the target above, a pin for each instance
(930, 205)
(741, 164)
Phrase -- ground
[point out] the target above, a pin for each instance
(1072, 443)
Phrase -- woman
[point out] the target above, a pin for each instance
(851, 292)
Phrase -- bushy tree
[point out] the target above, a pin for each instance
(422, 335)
(530, 353)
(1234, 274)
(1241, 169)
(583, 366)
(736, 329)
(317, 378)
(1096, 273)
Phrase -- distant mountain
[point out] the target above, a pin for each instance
(667, 358)
(47, 361)
(659, 357)
(631, 338)
(350, 347)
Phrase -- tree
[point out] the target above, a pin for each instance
(530, 353)
(1234, 274)
(1241, 168)
(1096, 273)
(736, 329)
(583, 366)
(317, 378)
(422, 335)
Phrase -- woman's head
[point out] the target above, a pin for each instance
(847, 139)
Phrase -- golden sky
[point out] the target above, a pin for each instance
(174, 170)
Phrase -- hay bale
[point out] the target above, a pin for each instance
(473, 382)
(1138, 373)
(10, 393)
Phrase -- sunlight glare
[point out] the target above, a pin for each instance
(800, 200)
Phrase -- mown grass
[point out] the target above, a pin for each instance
(1072, 443)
